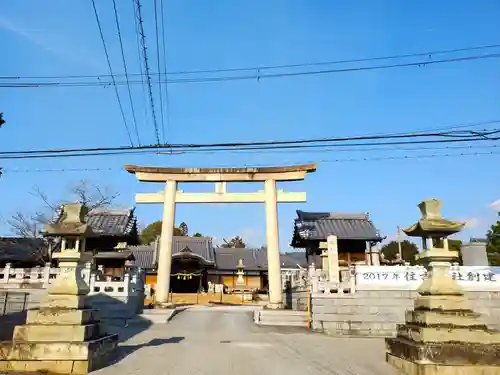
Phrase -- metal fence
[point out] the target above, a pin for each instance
(12, 302)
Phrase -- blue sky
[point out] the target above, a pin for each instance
(61, 38)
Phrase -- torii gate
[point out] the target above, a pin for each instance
(270, 196)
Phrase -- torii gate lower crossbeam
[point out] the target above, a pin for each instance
(270, 196)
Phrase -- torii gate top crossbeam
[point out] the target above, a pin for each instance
(246, 174)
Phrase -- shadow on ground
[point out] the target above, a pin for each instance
(124, 351)
(119, 316)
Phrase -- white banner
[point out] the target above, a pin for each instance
(410, 277)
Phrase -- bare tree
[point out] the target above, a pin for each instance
(30, 225)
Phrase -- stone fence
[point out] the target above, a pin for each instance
(401, 277)
(41, 277)
(116, 301)
(380, 295)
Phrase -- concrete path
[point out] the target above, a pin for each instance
(225, 341)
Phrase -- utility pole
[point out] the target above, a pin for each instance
(398, 239)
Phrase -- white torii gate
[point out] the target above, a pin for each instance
(270, 196)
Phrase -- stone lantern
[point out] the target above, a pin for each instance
(442, 335)
(240, 281)
(63, 335)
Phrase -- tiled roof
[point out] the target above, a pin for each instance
(292, 259)
(223, 258)
(228, 258)
(201, 246)
(144, 256)
(13, 249)
(124, 254)
(319, 225)
(109, 222)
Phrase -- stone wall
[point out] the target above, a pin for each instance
(376, 313)
(295, 300)
(112, 310)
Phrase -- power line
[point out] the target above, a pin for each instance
(139, 56)
(257, 76)
(159, 71)
(146, 66)
(272, 67)
(167, 100)
(111, 72)
(368, 159)
(465, 134)
(253, 146)
(126, 71)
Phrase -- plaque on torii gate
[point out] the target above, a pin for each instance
(270, 196)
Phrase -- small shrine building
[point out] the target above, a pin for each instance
(356, 236)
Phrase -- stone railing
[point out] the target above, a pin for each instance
(319, 283)
(406, 277)
(401, 277)
(41, 277)
(35, 277)
(132, 284)
(294, 278)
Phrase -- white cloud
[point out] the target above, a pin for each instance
(50, 43)
(473, 222)
(495, 205)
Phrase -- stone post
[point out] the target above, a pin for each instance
(333, 259)
(6, 271)
(375, 256)
(167, 232)
(46, 275)
(273, 251)
(87, 272)
(92, 282)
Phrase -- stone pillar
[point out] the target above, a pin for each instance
(375, 256)
(167, 232)
(6, 272)
(273, 251)
(333, 259)
(324, 262)
(46, 274)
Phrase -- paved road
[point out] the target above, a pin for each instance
(225, 341)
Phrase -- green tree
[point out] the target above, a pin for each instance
(153, 230)
(150, 233)
(184, 229)
(408, 251)
(197, 234)
(493, 245)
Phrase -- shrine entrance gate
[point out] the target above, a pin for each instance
(270, 196)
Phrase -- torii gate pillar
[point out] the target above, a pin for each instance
(270, 197)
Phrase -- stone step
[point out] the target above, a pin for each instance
(284, 324)
(288, 318)
(281, 318)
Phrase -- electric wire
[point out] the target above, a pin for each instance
(111, 72)
(257, 76)
(146, 69)
(271, 67)
(117, 21)
(159, 71)
(296, 162)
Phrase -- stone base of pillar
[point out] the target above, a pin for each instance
(274, 306)
(164, 305)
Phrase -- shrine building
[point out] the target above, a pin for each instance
(356, 236)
